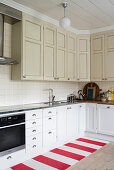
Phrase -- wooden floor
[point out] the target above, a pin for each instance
(103, 159)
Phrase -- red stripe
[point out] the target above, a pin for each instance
(84, 148)
(21, 167)
(51, 162)
(91, 141)
(68, 154)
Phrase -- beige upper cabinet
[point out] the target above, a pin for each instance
(49, 52)
(61, 55)
(97, 57)
(32, 54)
(109, 56)
(71, 57)
(83, 57)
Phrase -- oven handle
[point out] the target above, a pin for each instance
(18, 124)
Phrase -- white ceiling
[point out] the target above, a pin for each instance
(84, 14)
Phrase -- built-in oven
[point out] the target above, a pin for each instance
(12, 133)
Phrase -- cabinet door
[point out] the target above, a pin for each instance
(32, 48)
(83, 57)
(61, 123)
(105, 119)
(49, 52)
(97, 57)
(91, 116)
(71, 57)
(109, 56)
(81, 117)
(61, 55)
(49, 138)
(72, 121)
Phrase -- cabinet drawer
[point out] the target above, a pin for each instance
(34, 148)
(33, 123)
(49, 123)
(12, 159)
(49, 112)
(49, 138)
(33, 131)
(34, 138)
(34, 114)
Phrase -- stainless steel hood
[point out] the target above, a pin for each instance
(9, 15)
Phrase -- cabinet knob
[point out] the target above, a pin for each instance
(80, 106)
(9, 157)
(108, 107)
(34, 146)
(49, 112)
(78, 79)
(49, 118)
(105, 78)
(34, 115)
(68, 78)
(49, 132)
(54, 78)
(34, 138)
(24, 76)
(68, 108)
(33, 123)
(34, 130)
(102, 78)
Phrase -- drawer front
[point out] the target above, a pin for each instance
(49, 123)
(49, 138)
(49, 112)
(12, 159)
(34, 148)
(33, 131)
(33, 123)
(34, 114)
(34, 138)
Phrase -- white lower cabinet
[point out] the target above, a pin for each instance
(91, 116)
(12, 159)
(49, 127)
(72, 121)
(81, 117)
(105, 119)
(61, 123)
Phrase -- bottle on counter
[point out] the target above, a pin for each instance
(109, 95)
(113, 94)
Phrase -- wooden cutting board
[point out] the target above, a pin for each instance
(91, 91)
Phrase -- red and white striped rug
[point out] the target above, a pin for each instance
(63, 157)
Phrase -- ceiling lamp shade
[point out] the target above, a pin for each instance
(64, 22)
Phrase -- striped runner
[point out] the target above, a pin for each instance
(63, 157)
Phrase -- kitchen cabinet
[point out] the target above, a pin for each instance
(81, 117)
(91, 117)
(61, 123)
(49, 52)
(72, 121)
(71, 57)
(83, 57)
(109, 56)
(49, 127)
(27, 49)
(105, 119)
(97, 57)
(61, 55)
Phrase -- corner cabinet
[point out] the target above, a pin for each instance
(83, 57)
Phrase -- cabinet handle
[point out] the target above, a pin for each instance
(80, 106)
(9, 157)
(34, 146)
(24, 76)
(69, 108)
(108, 107)
(34, 115)
(68, 78)
(103, 79)
(57, 78)
(49, 112)
(34, 138)
(33, 123)
(49, 132)
(34, 130)
(49, 118)
(78, 79)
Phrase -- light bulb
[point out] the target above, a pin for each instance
(64, 22)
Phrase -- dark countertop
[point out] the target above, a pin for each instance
(34, 106)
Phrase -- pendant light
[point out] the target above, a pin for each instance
(64, 22)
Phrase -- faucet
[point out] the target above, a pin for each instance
(51, 96)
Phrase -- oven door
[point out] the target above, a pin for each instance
(12, 138)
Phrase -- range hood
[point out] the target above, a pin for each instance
(9, 15)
